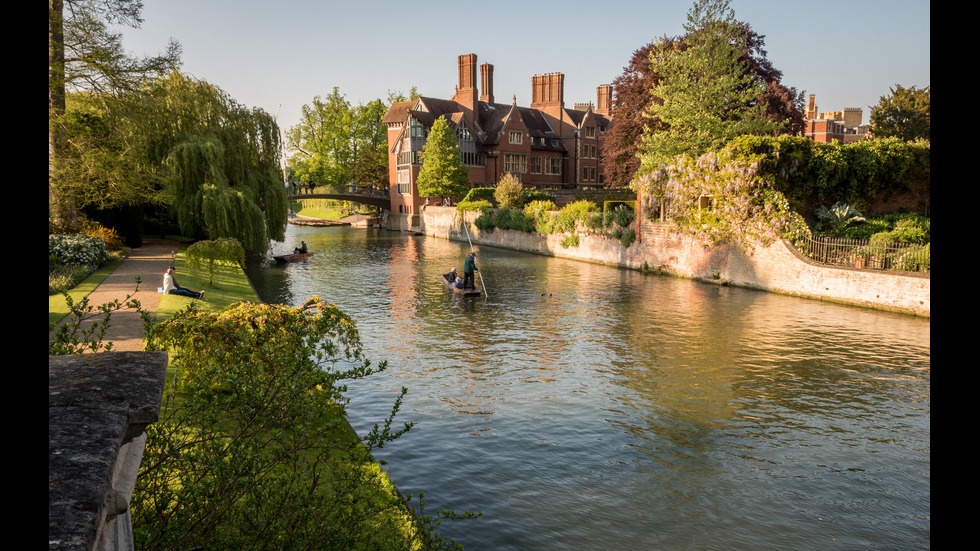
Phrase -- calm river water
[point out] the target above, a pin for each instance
(585, 407)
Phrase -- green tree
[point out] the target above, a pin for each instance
(253, 450)
(85, 55)
(707, 94)
(903, 114)
(509, 193)
(206, 254)
(221, 160)
(443, 173)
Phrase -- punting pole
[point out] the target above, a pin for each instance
(471, 250)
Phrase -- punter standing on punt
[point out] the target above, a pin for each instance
(468, 268)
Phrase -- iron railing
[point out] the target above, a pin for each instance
(862, 253)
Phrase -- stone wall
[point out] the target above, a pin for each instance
(777, 268)
(98, 408)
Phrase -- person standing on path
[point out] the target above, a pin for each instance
(469, 267)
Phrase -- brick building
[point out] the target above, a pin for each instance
(844, 126)
(545, 145)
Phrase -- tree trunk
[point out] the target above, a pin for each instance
(61, 211)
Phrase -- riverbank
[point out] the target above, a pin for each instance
(776, 268)
(127, 334)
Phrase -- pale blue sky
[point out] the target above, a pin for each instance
(279, 55)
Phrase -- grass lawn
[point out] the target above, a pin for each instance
(230, 285)
(58, 308)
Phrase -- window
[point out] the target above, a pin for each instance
(473, 158)
(535, 165)
(588, 173)
(589, 132)
(554, 166)
(515, 163)
(417, 131)
(516, 136)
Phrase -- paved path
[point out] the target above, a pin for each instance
(149, 261)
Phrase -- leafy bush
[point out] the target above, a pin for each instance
(535, 195)
(837, 217)
(570, 241)
(480, 193)
(509, 193)
(108, 235)
(507, 219)
(474, 205)
(580, 210)
(626, 236)
(205, 254)
(538, 208)
(624, 215)
(78, 249)
(212, 477)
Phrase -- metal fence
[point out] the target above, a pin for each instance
(862, 253)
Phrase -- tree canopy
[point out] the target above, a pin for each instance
(686, 93)
(337, 143)
(903, 114)
(443, 173)
(84, 55)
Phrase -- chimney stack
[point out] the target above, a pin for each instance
(486, 82)
(548, 91)
(466, 93)
(604, 100)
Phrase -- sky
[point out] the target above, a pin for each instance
(278, 55)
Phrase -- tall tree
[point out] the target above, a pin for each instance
(222, 162)
(707, 93)
(83, 54)
(903, 114)
(443, 173)
(632, 106)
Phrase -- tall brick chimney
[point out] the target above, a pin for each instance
(604, 100)
(811, 108)
(548, 91)
(486, 82)
(466, 93)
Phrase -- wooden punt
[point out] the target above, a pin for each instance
(287, 258)
(457, 290)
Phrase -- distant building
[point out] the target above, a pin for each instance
(544, 145)
(844, 126)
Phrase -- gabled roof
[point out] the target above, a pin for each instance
(397, 112)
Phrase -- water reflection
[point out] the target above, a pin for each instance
(583, 407)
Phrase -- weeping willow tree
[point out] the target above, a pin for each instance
(222, 163)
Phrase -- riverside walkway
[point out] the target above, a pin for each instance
(149, 261)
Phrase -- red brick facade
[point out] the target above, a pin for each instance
(545, 145)
(842, 126)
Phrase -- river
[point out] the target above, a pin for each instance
(584, 407)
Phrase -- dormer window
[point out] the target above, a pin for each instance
(516, 136)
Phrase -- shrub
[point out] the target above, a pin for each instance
(536, 210)
(535, 195)
(837, 217)
(580, 210)
(78, 249)
(509, 192)
(108, 235)
(507, 219)
(624, 215)
(570, 241)
(473, 205)
(480, 193)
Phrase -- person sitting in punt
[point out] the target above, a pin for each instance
(300, 250)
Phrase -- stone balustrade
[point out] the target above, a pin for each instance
(98, 408)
